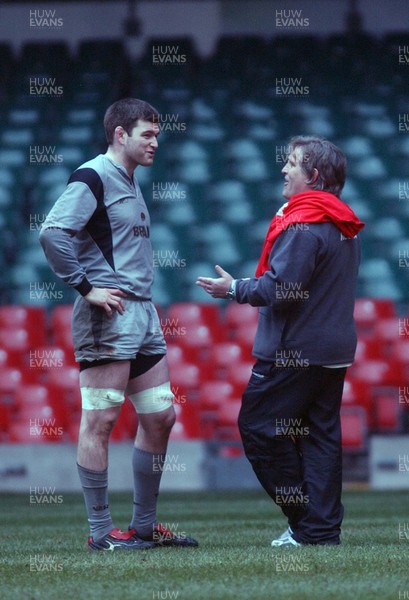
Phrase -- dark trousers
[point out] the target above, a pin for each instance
(290, 426)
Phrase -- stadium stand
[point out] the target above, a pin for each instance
(220, 174)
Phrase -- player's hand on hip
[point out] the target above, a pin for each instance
(217, 288)
(107, 298)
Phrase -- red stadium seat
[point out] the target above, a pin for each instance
(16, 343)
(34, 405)
(44, 359)
(368, 348)
(196, 342)
(388, 331)
(376, 372)
(30, 318)
(191, 312)
(226, 427)
(65, 380)
(239, 374)
(73, 429)
(185, 379)
(64, 392)
(372, 378)
(10, 380)
(350, 394)
(245, 334)
(175, 354)
(61, 334)
(387, 412)
(213, 394)
(5, 420)
(369, 310)
(60, 319)
(37, 426)
(400, 354)
(237, 315)
(222, 354)
(126, 424)
(65, 341)
(20, 432)
(354, 428)
(4, 358)
(187, 424)
(28, 396)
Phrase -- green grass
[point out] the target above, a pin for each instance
(234, 560)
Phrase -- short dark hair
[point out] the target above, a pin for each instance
(329, 160)
(126, 113)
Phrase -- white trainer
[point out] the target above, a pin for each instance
(285, 539)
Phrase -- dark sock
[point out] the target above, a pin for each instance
(95, 489)
(147, 471)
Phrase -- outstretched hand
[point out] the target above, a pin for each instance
(106, 297)
(217, 288)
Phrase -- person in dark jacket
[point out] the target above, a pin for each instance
(305, 287)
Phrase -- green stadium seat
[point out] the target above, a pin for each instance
(23, 116)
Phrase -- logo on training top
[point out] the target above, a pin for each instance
(143, 217)
(141, 231)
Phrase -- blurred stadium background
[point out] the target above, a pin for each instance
(233, 81)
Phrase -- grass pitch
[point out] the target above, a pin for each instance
(44, 556)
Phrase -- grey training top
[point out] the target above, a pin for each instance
(98, 231)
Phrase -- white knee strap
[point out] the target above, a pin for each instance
(153, 400)
(99, 398)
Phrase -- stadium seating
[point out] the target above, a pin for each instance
(10, 379)
(223, 354)
(208, 376)
(232, 191)
(354, 429)
(30, 318)
(126, 424)
(197, 341)
(60, 326)
(226, 427)
(227, 169)
(213, 394)
(387, 413)
(15, 342)
(186, 380)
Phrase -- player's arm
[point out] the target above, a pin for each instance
(69, 215)
(291, 266)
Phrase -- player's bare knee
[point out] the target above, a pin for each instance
(166, 419)
(98, 423)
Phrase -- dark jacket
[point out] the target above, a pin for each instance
(307, 298)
